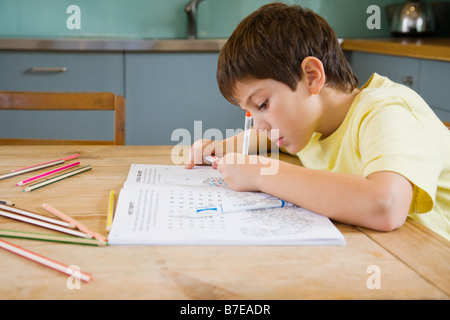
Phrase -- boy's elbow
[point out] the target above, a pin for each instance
(391, 222)
(390, 213)
(390, 201)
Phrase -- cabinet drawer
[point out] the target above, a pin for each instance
(61, 71)
(398, 69)
(427, 77)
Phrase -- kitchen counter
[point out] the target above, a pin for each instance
(112, 44)
(423, 48)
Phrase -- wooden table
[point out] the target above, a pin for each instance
(409, 263)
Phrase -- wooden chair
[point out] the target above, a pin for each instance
(10, 100)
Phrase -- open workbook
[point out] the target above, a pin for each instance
(155, 199)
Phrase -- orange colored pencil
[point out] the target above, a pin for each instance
(68, 219)
(55, 265)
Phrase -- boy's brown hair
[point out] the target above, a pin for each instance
(272, 42)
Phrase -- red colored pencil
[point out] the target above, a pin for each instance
(48, 173)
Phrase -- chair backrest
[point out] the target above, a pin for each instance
(12, 100)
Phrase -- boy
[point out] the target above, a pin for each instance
(370, 156)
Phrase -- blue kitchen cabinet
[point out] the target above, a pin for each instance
(173, 99)
(429, 78)
(435, 86)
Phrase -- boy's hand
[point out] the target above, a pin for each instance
(241, 173)
(202, 148)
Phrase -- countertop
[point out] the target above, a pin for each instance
(112, 44)
(422, 48)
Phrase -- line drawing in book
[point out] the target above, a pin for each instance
(214, 182)
(191, 177)
(279, 222)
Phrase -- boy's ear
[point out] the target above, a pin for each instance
(313, 74)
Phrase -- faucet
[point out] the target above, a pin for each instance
(191, 10)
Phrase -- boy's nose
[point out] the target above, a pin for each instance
(259, 124)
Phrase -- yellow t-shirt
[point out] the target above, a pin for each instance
(389, 127)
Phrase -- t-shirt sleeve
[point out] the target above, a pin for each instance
(391, 138)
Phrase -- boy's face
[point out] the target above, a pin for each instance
(290, 117)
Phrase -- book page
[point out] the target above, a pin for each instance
(174, 176)
(151, 211)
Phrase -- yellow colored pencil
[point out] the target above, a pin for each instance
(110, 211)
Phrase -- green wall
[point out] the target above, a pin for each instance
(167, 19)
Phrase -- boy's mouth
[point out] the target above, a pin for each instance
(280, 142)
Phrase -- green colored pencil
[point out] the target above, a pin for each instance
(50, 237)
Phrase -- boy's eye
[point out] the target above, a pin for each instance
(263, 105)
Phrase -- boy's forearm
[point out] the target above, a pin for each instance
(342, 197)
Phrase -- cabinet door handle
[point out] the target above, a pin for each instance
(47, 69)
(408, 80)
